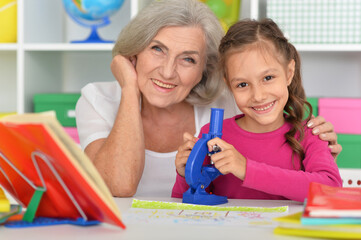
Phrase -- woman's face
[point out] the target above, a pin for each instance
(171, 65)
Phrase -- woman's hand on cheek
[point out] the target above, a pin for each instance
(326, 132)
(124, 71)
(228, 160)
(183, 152)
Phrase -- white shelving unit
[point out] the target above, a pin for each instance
(43, 60)
(328, 70)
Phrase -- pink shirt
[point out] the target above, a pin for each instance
(270, 171)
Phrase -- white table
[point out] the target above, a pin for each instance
(155, 231)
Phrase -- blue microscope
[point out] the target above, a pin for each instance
(197, 176)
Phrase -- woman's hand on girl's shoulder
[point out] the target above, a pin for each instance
(326, 132)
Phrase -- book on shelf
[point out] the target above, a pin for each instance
(41, 167)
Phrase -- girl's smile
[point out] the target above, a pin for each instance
(264, 108)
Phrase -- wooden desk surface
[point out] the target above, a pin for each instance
(155, 231)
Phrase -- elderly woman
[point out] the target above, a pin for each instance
(164, 62)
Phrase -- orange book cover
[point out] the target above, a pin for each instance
(327, 201)
(70, 178)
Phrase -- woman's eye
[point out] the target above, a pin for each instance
(189, 59)
(267, 78)
(242, 85)
(156, 48)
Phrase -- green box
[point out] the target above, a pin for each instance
(62, 103)
(314, 103)
(350, 156)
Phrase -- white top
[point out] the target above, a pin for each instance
(95, 114)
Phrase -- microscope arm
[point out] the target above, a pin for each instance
(198, 176)
(195, 164)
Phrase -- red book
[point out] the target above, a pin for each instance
(326, 201)
(35, 151)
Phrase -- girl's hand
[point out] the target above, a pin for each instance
(228, 160)
(183, 153)
(124, 71)
(326, 132)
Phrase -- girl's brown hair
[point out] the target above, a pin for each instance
(263, 33)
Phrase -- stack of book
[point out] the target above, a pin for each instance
(6, 209)
(329, 212)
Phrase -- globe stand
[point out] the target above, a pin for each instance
(93, 37)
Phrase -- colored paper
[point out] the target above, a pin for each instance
(184, 206)
(156, 212)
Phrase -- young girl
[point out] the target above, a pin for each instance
(267, 152)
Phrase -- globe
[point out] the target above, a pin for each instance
(93, 14)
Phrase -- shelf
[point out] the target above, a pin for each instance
(328, 47)
(69, 47)
(109, 47)
(8, 46)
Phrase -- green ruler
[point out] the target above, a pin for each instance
(183, 206)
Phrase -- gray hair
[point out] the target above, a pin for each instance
(138, 34)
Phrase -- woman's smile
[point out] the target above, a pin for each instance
(161, 84)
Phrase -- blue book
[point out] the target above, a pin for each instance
(330, 221)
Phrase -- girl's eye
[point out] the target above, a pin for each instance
(190, 60)
(268, 78)
(242, 85)
(156, 48)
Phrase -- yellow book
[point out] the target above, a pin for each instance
(291, 225)
(4, 202)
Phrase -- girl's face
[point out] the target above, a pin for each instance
(171, 65)
(259, 83)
